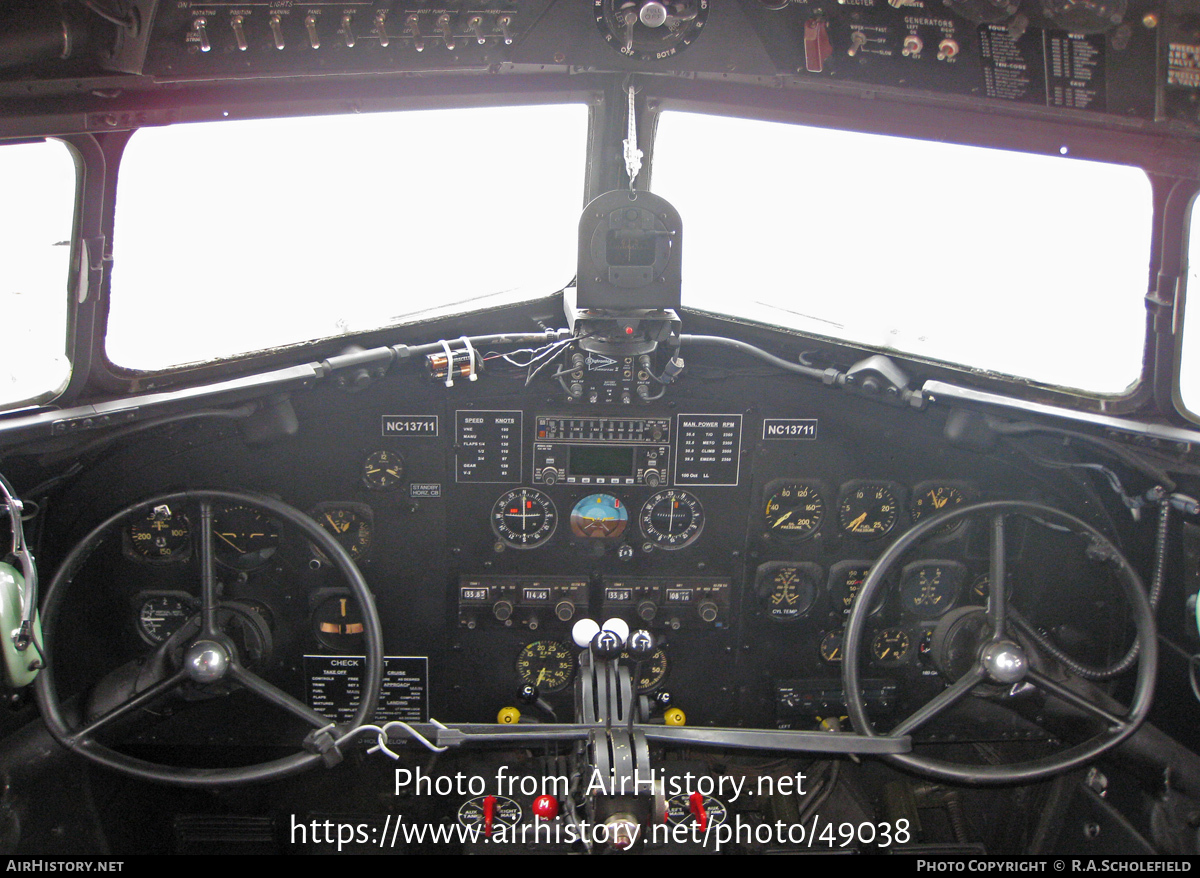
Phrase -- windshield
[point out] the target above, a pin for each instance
(38, 181)
(290, 230)
(1026, 265)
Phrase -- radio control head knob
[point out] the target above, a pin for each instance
(564, 611)
(708, 611)
(647, 610)
(549, 476)
(652, 479)
(502, 610)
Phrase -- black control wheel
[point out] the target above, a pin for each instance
(996, 659)
(210, 658)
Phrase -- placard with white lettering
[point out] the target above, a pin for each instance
(424, 489)
(708, 449)
(488, 446)
(335, 681)
(410, 425)
(789, 428)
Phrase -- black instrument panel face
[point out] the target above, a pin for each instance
(1046, 54)
(738, 534)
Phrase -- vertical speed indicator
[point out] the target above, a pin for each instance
(524, 518)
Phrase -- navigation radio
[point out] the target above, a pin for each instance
(602, 451)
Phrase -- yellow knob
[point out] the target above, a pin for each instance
(508, 716)
(674, 717)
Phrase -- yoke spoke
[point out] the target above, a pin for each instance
(274, 695)
(208, 572)
(138, 701)
(997, 598)
(1073, 698)
(947, 697)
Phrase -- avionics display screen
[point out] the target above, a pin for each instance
(599, 460)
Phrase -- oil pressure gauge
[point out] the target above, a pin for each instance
(794, 509)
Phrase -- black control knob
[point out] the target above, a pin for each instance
(550, 476)
(708, 611)
(565, 611)
(662, 698)
(641, 645)
(647, 610)
(607, 645)
(502, 610)
(652, 479)
(528, 694)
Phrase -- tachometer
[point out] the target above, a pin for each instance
(794, 509)
(524, 518)
(867, 509)
(672, 519)
(547, 665)
(599, 517)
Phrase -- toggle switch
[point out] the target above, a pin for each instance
(443, 28)
(277, 32)
(239, 31)
(348, 32)
(817, 47)
(200, 29)
(310, 24)
(381, 28)
(412, 27)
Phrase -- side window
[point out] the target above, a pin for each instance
(38, 182)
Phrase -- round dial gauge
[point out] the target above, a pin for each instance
(672, 519)
(473, 813)
(794, 510)
(162, 535)
(930, 499)
(831, 646)
(650, 30)
(891, 646)
(383, 470)
(786, 591)
(547, 665)
(245, 537)
(930, 588)
(868, 510)
(161, 615)
(338, 624)
(599, 517)
(653, 671)
(681, 808)
(845, 579)
(524, 518)
(350, 525)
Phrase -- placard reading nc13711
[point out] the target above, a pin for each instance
(789, 428)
